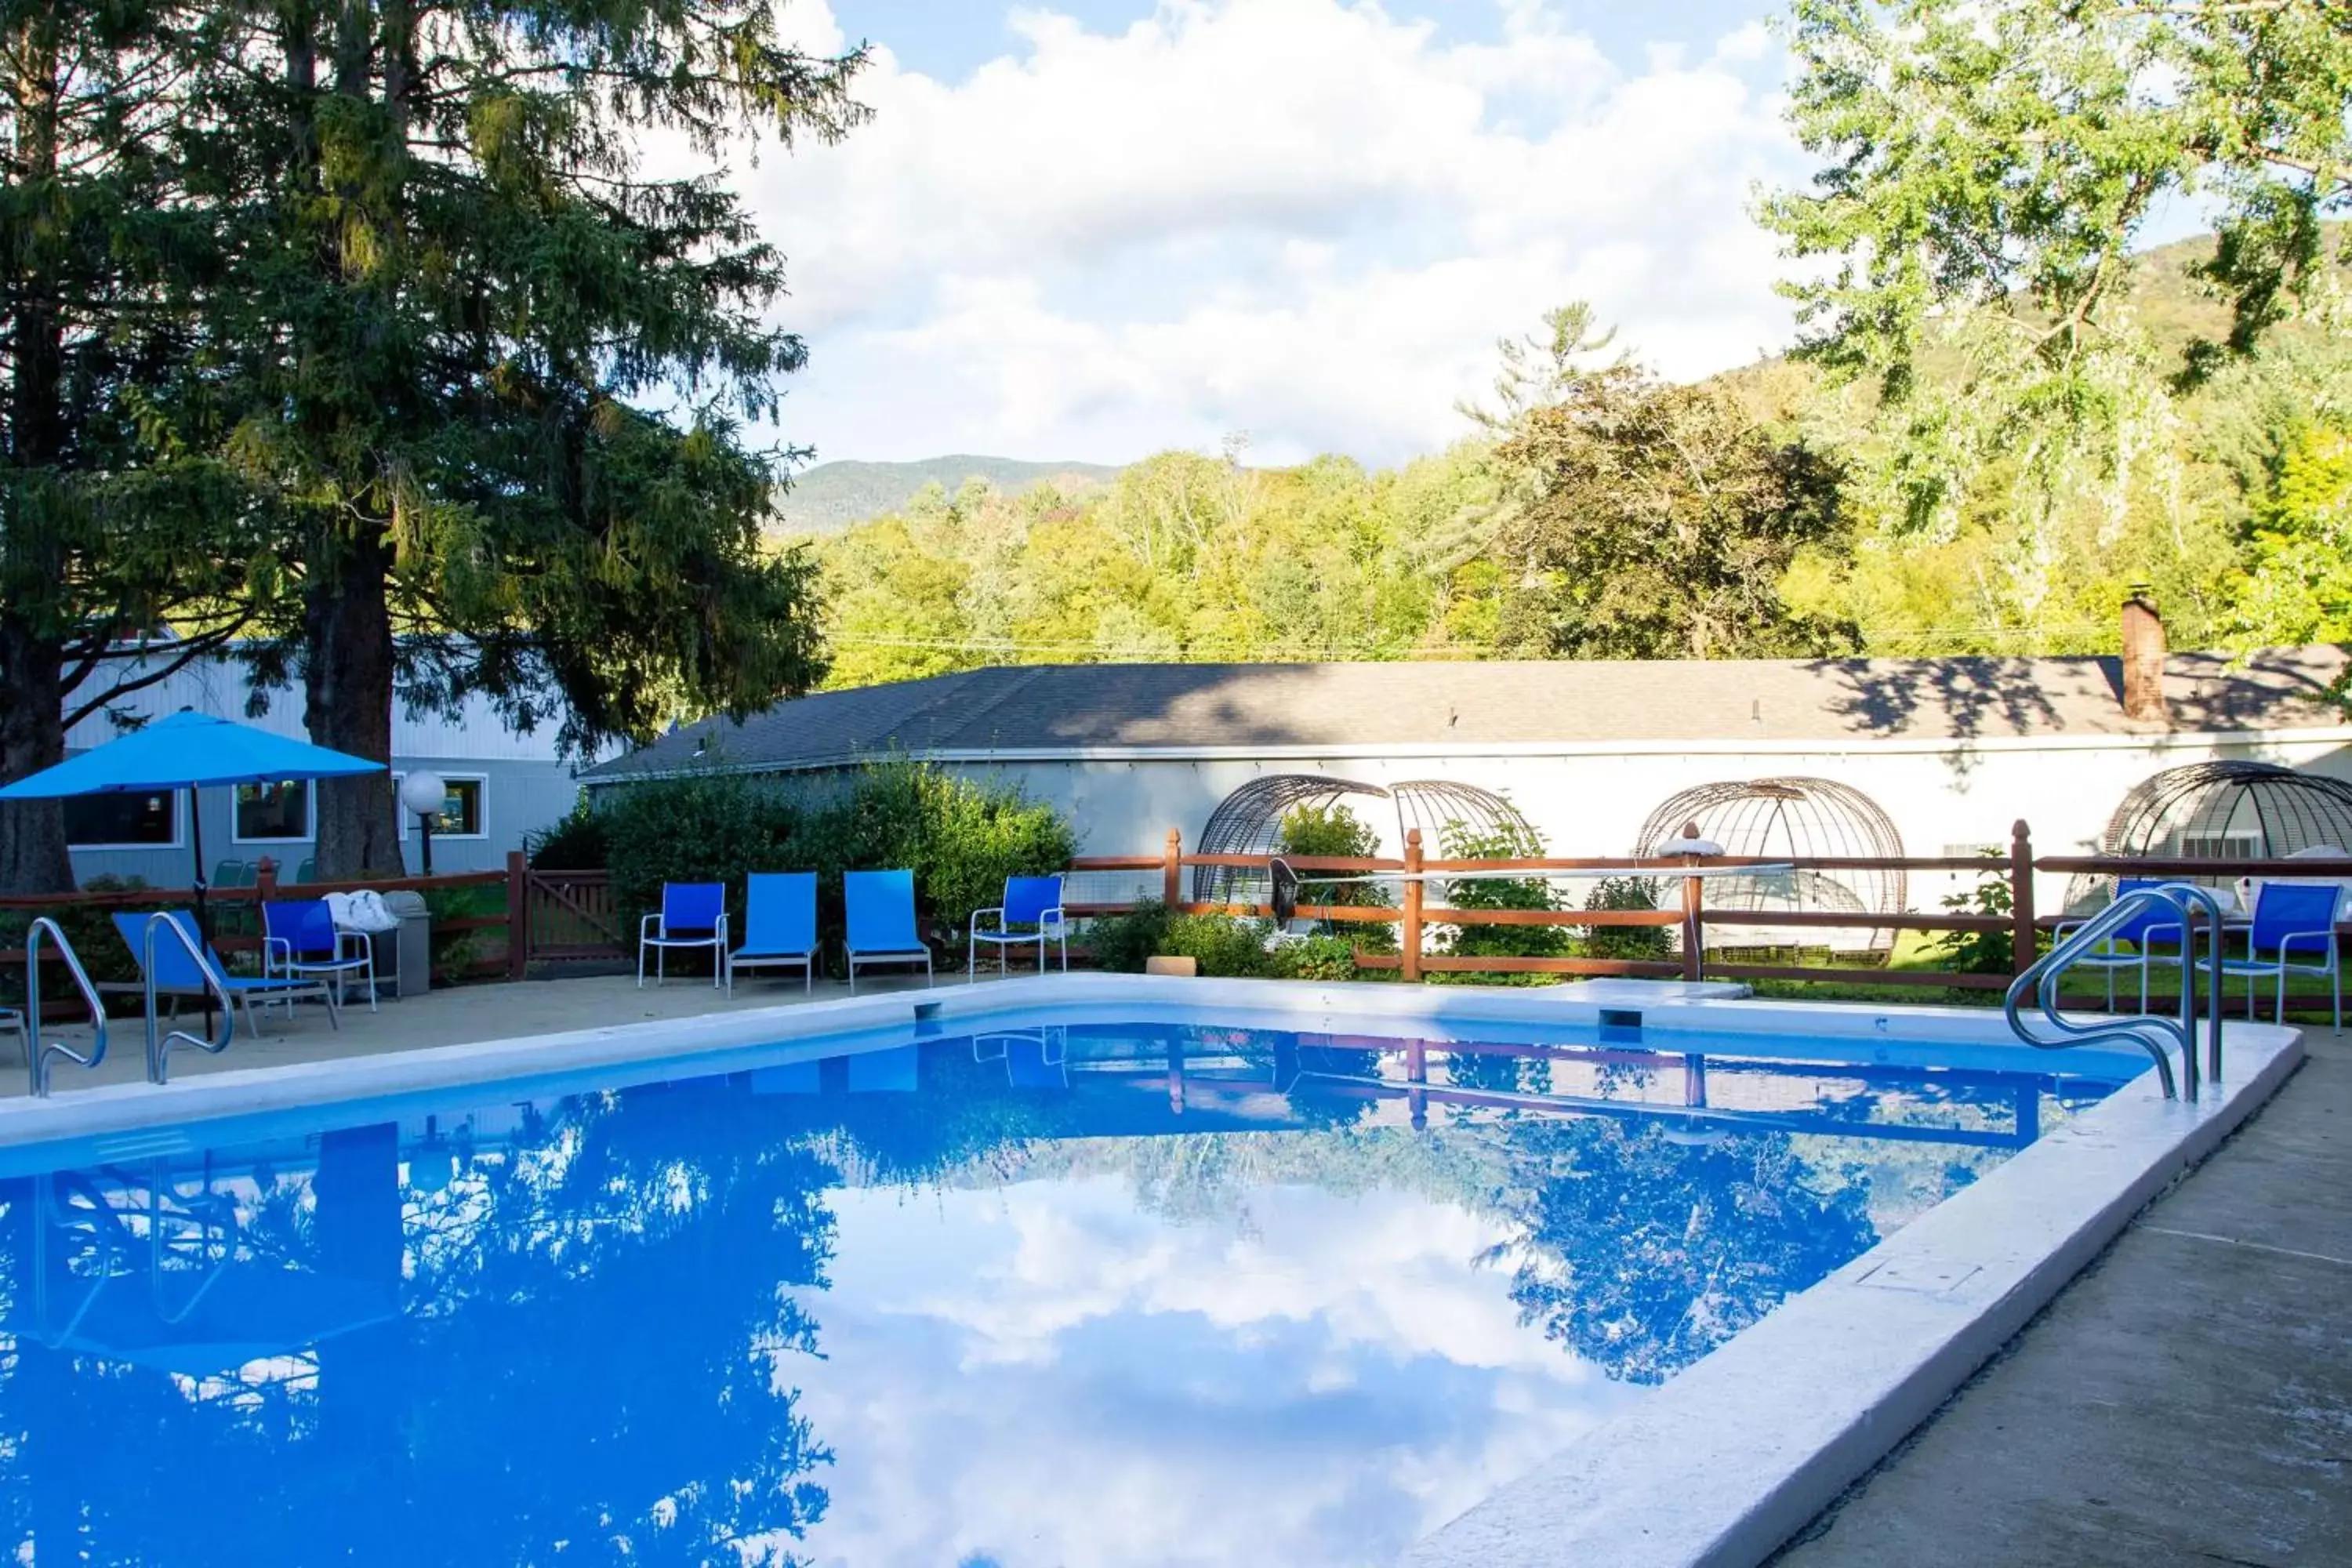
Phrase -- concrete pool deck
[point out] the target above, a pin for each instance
(462, 1016)
(2187, 1398)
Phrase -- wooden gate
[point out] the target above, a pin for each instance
(567, 917)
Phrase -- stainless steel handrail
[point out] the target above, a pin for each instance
(37, 1052)
(2157, 1035)
(159, 1045)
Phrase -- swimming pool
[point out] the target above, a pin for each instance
(1127, 1282)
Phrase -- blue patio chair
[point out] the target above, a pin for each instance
(236, 874)
(779, 925)
(300, 938)
(1032, 911)
(2132, 944)
(177, 977)
(881, 906)
(2290, 918)
(693, 914)
(1032, 1059)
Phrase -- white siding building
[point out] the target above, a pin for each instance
(1954, 751)
(502, 785)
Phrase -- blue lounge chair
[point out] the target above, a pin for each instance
(1032, 911)
(693, 914)
(779, 925)
(299, 939)
(2128, 945)
(2290, 918)
(881, 907)
(177, 974)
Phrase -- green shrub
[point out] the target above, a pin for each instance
(1626, 941)
(91, 929)
(702, 828)
(454, 952)
(1331, 830)
(1506, 842)
(1334, 830)
(581, 841)
(1121, 942)
(1225, 947)
(961, 837)
(1980, 951)
(1318, 957)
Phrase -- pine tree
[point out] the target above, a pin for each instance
(499, 367)
(116, 522)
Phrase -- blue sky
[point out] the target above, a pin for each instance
(1091, 229)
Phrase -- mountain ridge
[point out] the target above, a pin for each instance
(830, 497)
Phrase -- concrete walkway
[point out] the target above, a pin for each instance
(2187, 1400)
(449, 1017)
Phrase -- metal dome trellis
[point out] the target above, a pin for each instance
(1249, 821)
(2223, 811)
(1791, 819)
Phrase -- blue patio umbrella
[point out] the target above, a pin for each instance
(189, 750)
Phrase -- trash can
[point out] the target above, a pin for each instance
(412, 944)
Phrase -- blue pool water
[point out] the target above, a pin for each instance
(1084, 1293)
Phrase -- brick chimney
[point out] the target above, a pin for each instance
(2143, 661)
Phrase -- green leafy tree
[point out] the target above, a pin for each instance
(2298, 587)
(1643, 520)
(1988, 172)
(497, 366)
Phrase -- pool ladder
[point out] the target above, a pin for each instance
(2160, 1036)
(161, 1041)
(38, 1052)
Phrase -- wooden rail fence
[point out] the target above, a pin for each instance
(1689, 917)
(572, 917)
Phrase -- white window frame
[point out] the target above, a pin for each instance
(481, 782)
(310, 815)
(179, 839)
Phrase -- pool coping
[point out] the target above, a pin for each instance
(1731, 1460)
(1720, 1466)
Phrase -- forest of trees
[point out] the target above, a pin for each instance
(1595, 511)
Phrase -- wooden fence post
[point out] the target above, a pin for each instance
(517, 915)
(265, 880)
(1410, 933)
(1693, 934)
(2020, 898)
(1172, 872)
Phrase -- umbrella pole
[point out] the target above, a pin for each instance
(203, 909)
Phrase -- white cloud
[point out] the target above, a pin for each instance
(1306, 219)
(1049, 1371)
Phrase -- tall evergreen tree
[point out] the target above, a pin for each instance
(497, 364)
(116, 524)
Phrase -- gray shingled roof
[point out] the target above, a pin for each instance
(1054, 709)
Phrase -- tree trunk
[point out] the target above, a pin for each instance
(347, 685)
(32, 567)
(33, 856)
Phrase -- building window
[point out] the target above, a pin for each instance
(121, 821)
(461, 808)
(273, 813)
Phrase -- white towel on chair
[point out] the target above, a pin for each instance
(362, 910)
